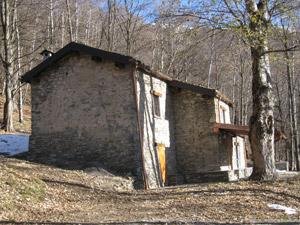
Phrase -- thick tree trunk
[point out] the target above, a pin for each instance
(7, 25)
(262, 119)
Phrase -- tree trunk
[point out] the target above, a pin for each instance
(262, 120)
(293, 115)
(62, 30)
(3, 87)
(281, 117)
(69, 21)
(7, 23)
(8, 107)
(51, 35)
(19, 74)
(76, 21)
(212, 47)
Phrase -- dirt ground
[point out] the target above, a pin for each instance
(32, 192)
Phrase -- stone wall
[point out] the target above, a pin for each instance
(83, 110)
(156, 129)
(199, 149)
(197, 146)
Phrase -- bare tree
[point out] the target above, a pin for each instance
(251, 20)
(286, 34)
(7, 14)
(130, 22)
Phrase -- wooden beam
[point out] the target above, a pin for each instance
(160, 145)
(225, 99)
(156, 93)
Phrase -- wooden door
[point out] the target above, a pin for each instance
(162, 161)
(239, 160)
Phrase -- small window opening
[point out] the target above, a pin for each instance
(156, 105)
(156, 102)
(237, 154)
(223, 114)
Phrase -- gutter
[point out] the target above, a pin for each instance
(139, 127)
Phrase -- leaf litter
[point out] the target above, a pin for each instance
(31, 192)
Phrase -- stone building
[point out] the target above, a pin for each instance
(89, 105)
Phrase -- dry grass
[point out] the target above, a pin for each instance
(32, 192)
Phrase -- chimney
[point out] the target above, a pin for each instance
(46, 54)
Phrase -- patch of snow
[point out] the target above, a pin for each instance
(286, 172)
(12, 144)
(287, 210)
(218, 192)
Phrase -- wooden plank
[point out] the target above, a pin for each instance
(160, 145)
(162, 162)
(243, 130)
(156, 93)
(222, 107)
(225, 99)
(245, 152)
(216, 130)
(231, 128)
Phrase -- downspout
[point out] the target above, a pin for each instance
(139, 126)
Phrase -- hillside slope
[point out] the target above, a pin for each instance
(32, 192)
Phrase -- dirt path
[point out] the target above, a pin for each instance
(37, 193)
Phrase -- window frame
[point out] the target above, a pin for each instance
(223, 111)
(156, 103)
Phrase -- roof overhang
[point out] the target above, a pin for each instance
(194, 88)
(237, 130)
(242, 130)
(202, 90)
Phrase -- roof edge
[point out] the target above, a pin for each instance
(191, 87)
(224, 99)
(73, 46)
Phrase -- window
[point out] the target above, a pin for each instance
(223, 114)
(156, 105)
(156, 102)
(237, 152)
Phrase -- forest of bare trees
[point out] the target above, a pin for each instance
(176, 38)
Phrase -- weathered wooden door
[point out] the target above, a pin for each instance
(239, 160)
(162, 161)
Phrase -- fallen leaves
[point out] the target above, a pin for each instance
(47, 194)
